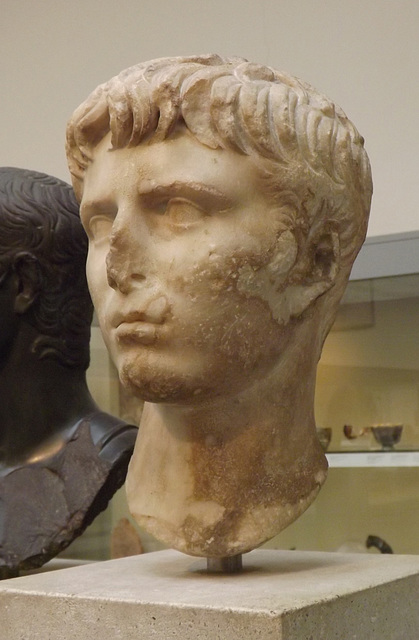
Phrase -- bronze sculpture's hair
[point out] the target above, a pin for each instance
(231, 103)
(39, 223)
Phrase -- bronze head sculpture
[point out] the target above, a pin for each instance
(225, 203)
(61, 458)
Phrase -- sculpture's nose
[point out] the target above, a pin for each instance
(126, 261)
(121, 273)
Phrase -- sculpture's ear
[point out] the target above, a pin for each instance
(323, 258)
(315, 271)
(27, 276)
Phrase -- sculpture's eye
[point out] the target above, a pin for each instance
(182, 213)
(99, 228)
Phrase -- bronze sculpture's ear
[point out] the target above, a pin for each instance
(27, 275)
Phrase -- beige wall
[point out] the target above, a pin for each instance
(364, 55)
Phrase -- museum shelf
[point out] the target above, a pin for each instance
(373, 459)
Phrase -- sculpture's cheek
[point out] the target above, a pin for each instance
(268, 281)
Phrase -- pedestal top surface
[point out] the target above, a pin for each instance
(271, 581)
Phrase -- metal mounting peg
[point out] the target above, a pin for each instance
(229, 564)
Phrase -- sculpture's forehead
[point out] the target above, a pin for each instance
(180, 159)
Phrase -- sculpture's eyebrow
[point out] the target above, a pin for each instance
(204, 193)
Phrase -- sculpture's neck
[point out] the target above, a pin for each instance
(40, 400)
(222, 478)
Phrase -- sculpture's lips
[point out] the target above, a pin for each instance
(153, 312)
(136, 332)
(140, 325)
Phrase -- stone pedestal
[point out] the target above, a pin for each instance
(281, 595)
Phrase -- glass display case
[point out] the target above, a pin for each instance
(368, 377)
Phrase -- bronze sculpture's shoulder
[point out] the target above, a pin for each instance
(45, 505)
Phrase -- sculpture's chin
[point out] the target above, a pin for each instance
(186, 378)
(168, 385)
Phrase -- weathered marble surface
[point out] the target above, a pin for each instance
(225, 203)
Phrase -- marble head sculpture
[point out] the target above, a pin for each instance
(225, 203)
(61, 458)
